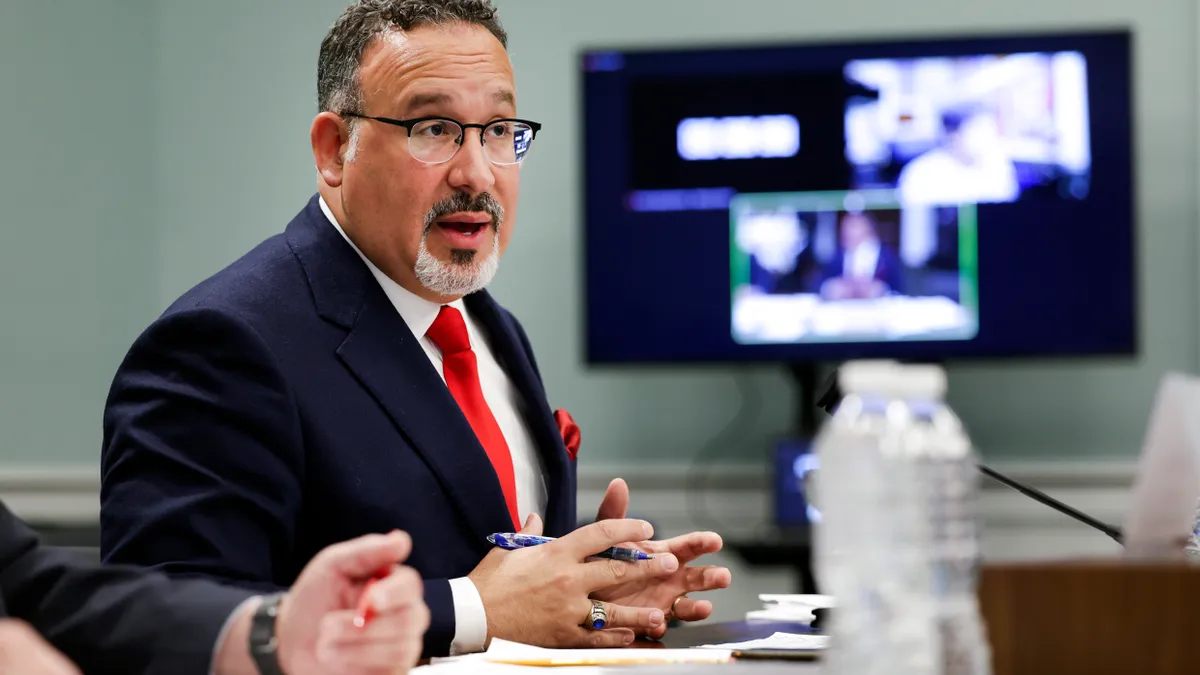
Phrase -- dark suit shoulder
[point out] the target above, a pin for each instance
(264, 295)
(259, 284)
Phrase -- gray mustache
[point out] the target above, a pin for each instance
(459, 202)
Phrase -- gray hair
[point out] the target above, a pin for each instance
(338, 86)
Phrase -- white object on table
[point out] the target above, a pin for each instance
(809, 600)
(789, 608)
(504, 656)
(788, 641)
(1167, 485)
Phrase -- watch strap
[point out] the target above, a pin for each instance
(264, 647)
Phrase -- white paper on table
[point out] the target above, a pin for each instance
(515, 653)
(790, 608)
(810, 600)
(476, 665)
(802, 615)
(1167, 485)
(789, 641)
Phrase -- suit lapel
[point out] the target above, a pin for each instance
(388, 360)
(511, 353)
(385, 356)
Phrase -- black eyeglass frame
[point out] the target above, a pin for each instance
(408, 125)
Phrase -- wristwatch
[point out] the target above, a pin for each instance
(264, 648)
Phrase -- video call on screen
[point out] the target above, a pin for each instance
(923, 199)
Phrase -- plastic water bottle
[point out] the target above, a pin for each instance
(897, 546)
(948, 470)
(869, 551)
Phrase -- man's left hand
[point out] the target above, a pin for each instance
(665, 593)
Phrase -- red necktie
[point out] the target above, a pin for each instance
(449, 333)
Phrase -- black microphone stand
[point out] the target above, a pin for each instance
(1039, 496)
(832, 396)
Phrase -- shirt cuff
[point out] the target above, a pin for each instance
(225, 631)
(470, 618)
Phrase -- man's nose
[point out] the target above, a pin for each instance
(472, 171)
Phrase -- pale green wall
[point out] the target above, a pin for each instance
(77, 250)
(234, 94)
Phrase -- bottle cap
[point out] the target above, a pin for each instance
(868, 377)
(925, 381)
(892, 379)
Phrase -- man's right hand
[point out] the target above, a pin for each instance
(23, 651)
(315, 628)
(539, 595)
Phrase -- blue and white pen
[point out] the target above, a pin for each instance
(512, 541)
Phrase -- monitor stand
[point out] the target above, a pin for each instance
(811, 397)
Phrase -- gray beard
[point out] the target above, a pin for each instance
(462, 275)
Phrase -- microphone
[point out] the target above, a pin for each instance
(832, 396)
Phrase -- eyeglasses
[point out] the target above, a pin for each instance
(435, 140)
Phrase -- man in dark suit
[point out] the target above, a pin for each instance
(351, 374)
(864, 267)
(57, 613)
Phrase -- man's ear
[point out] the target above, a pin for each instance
(330, 137)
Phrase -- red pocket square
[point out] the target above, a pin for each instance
(569, 431)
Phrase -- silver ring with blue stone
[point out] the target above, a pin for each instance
(599, 616)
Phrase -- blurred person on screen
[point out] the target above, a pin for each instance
(60, 615)
(969, 165)
(353, 374)
(774, 243)
(864, 267)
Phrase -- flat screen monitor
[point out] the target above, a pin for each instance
(920, 199)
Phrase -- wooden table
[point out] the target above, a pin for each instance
(1120, 616)
(1091, 617)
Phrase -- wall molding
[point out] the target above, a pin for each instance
(55, 495)
(728, 498)
(737, 499)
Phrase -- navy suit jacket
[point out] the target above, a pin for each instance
(283, 405)
(110, 619)
(888, 269)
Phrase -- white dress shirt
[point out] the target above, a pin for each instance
(938, 178)
(860, 262)
(470, 620)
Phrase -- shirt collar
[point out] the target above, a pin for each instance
(417, 312)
